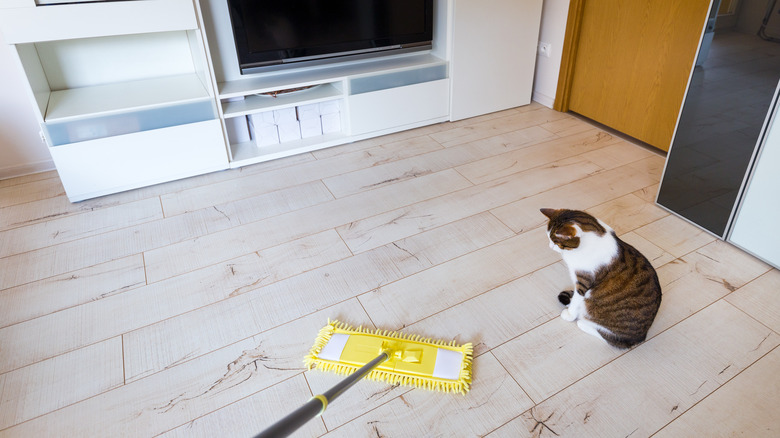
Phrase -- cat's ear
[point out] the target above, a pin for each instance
(549, 212)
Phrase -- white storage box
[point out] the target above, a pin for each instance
(263, 132)
(285, 115)
(310, 111)
(266, 117)
(329, 107)
(289, 131)
(331, 122)
(311, 127)
(238, 129)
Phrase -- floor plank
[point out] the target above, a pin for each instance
(60, 381)
(394, 224)
(494, 400)
(206, 250)
(759, 299)
(31, 191)
(578, 195)
(249, 416)
(745, 406)
(417, 296)
(496, 126)
(514, 161)
(74, 227)
(186, 308)
(503, 313)
(193, 389)
(259, 183)
(626, 396)
(39, 298)
(280, 302)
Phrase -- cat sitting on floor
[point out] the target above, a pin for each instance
(616, 293)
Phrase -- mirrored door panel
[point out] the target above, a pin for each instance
(725, 109)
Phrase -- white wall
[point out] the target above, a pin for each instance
(22, 152)
(21, 149)
(552, 31)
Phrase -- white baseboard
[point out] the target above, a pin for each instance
(543, 99)
(26, 169)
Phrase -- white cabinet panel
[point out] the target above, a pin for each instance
(84, 20)
(113, 164)
(493, 55)
(755, 226)
(396, 107)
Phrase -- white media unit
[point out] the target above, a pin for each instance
(137, 92)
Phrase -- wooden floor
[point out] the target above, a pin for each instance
(186, 309)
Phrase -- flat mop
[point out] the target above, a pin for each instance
(382, 355)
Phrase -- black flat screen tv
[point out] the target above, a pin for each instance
(273, 32)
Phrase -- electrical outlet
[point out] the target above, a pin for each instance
(544, 49)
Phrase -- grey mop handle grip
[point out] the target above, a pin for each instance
(316, 406)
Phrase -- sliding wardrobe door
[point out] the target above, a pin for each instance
(725, 109)
(755, 225)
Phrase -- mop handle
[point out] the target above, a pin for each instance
(317, 405)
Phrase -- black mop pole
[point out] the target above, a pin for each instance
(317, 405)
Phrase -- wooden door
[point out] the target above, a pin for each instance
(627, 63)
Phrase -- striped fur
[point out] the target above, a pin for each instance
(616, 291)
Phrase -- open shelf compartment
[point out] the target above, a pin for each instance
(255, 103)
(106, 110)
(107, 99)
(296, 78)
(248, 152)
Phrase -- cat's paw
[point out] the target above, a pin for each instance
(565, 297)
(567, 316)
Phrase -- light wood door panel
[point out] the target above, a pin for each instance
(632, 63)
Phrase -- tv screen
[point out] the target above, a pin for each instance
(271, 32)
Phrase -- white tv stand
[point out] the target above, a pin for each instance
(134, 93)
(386, 107)
(376, 95)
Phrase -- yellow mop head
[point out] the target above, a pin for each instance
(413, 361)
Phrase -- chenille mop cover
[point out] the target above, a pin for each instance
(383, 355)
(414, 361)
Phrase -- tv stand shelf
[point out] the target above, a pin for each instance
(258, 103)
(107, 99)
(248, 152)
(376, 97)
(314, 75)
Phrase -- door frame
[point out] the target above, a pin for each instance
(568, 55)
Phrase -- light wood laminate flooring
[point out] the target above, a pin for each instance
(185, 309)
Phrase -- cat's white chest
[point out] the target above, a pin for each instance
(593, 253)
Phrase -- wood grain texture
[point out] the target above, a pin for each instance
(744, 405)
(71, 289)
(632, 64)
(568, 55)
(185, 309)
(60, 381)
(756, 299)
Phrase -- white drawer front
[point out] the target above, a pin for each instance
(113, 164)
(395, 107)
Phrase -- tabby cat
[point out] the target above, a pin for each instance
(616, 291)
